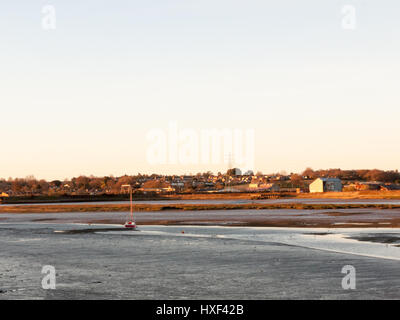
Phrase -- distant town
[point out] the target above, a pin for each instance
(233, 181)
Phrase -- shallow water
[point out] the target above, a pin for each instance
(291, 217)
(333, 240)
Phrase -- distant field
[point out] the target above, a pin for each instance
(187, 207)
(207, 196)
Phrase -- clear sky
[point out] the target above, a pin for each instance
(81, 99)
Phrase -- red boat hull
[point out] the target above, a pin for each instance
(130, 224)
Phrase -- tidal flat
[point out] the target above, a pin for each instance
(97, 261)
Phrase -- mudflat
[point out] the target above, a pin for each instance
(189, 262)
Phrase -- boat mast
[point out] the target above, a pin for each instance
(129, 187)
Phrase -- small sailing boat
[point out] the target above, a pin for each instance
(131, 224)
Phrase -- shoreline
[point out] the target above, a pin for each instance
(353, 195)
(188, 207)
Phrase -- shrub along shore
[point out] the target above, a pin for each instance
(393, 195)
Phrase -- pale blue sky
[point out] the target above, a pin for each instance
(80, 99)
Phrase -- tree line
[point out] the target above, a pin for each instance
(112, 185)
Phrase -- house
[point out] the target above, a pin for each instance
(234, 172)
(157, 186)
(389, 187)
(249, 173)
(267, 187)
(253, 186)
(233, 189)
(326, 185)
(361, 186)
(2, 196)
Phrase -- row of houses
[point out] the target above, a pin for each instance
(256, 185)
